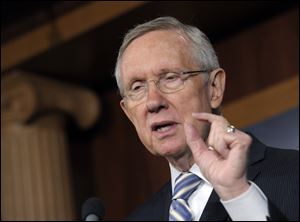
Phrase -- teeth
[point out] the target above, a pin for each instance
(163, 129)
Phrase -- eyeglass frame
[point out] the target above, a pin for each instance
(156, 82)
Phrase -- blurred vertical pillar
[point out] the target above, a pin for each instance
(36, 182)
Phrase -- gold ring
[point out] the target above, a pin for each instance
(230, 129)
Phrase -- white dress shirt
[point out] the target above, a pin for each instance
(251, 205)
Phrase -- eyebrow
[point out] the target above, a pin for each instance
(164, 70)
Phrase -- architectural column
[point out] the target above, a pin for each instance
(35, 170)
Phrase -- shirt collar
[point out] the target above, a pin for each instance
(175, 173)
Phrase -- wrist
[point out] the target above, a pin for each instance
(228, 193)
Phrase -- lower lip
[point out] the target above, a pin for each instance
(168, 132)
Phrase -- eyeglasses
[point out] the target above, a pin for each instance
(170, 82)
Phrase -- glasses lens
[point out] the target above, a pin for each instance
(136, 95)
(171, 82)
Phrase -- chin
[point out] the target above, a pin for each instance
(170, 148)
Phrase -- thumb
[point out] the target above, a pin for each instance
(194, 141)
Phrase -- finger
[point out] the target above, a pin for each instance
(201, 154)
(223, 142)
(194, 141)
(220, 147)
(216, 140)
(238, 138)
(239, 148)
(209, 117)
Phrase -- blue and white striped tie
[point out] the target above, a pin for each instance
(185, 185)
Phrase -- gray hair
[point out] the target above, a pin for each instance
(201, 47)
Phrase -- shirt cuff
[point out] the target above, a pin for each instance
(250, 205)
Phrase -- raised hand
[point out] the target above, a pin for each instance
(222, 158)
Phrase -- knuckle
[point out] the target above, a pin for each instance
(246, 140)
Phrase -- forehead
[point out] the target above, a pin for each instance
(155, 51)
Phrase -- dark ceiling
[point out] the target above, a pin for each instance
(89, 58)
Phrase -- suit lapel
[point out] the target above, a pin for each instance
(256, 155)
(167, 203)
(214, 210)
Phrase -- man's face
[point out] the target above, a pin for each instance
(159, 117)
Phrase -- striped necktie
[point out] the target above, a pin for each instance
(185, 185)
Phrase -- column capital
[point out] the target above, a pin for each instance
(24, 95)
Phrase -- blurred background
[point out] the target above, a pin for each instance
(64, 137)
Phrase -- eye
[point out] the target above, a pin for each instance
(137, 86)
(171, 76)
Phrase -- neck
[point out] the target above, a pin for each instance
(182, 162)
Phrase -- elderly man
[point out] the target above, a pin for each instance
(172, 88)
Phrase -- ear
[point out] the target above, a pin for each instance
(216, 87)
(125, 109)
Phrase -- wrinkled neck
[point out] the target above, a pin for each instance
(182, 162)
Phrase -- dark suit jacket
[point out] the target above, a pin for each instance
(275, 171)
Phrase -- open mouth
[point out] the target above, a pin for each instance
(162, 126)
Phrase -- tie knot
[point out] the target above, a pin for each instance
(185, 185)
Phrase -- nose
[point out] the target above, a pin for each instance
(155, 100)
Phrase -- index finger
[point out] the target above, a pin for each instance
(207, 116)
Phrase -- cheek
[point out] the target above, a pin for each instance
(139, 123)
(192, 101)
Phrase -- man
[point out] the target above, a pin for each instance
(172, 88)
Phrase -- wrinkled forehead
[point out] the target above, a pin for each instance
(156, 41)
(154, 51)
